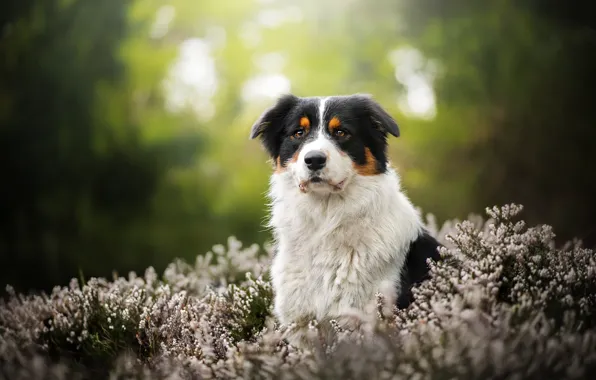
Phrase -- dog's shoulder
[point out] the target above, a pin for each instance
(416, 269)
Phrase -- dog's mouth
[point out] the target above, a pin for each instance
(318, 181)
(340, 185)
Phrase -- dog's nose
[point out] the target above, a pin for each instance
(315, 160)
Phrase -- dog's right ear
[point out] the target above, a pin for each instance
(270, 124)
(273, 116)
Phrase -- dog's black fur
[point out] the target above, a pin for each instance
(416, 269)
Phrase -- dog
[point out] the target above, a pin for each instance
(343, 230)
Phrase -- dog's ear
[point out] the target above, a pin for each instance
(273, 116)
(270, 124)
(380, 119)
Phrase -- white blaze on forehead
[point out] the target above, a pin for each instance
(322, 102)
(322, 109)
(321, 142)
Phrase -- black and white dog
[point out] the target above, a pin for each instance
(343, 229)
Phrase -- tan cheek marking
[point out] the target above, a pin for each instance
(370, 166)
(278, 167)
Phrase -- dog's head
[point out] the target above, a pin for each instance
(324, 142)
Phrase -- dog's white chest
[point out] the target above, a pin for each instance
(334, 254)
(331, 278)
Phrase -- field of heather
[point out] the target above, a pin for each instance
(505, 303)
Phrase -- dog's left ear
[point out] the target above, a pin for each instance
(379, 117)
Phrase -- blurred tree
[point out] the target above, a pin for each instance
(105, 175)
(75, 174)
(521, 74)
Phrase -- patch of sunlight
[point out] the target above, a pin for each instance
(419, 99)
(270, 82)
(270, 62)
(163, 18)
(269, 18)
(192, 80)
(416, 74)
(250, 34)
(265, 87)
(216, 37)
(274, 18)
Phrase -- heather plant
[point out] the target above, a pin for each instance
(503, 302)
(508, 266)
(218, 268)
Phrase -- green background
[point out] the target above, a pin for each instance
(124, 124)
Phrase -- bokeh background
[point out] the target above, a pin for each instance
(124, 123)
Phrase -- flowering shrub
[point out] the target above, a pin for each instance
(503, 302)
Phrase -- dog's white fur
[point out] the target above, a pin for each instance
(336, 249)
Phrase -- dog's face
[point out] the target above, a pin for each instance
(323, 143)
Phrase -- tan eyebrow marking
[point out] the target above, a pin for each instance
(304, 122)
(334, 123)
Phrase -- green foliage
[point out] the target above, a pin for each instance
(79, 177)
(512, 82)
(250, 306)
(104, 332)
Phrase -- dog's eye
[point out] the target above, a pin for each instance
(340, 133)
(299, 133)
